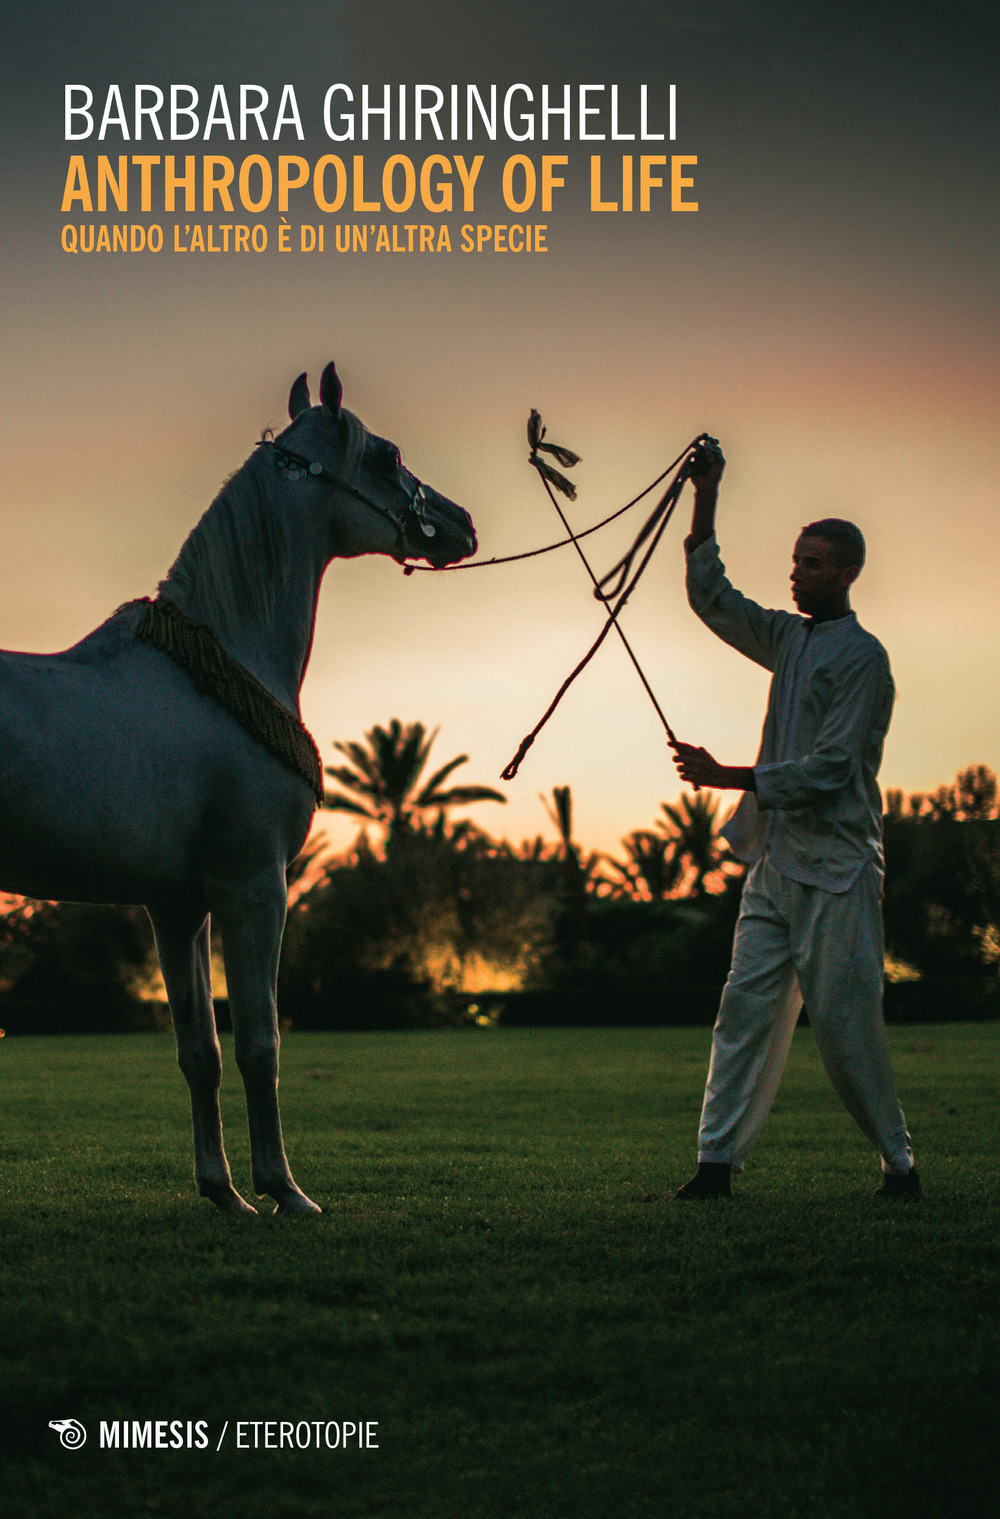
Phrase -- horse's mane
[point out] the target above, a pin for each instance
(355, 441)
(236, 558)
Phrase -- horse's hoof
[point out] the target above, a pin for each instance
(297, 1205)
(239, 1205)
(227, 1200)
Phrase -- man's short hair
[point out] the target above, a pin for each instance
(847, 539)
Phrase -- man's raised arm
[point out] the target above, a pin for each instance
(704, 472)
(696, 766)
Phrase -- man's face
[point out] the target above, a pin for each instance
(820, 581)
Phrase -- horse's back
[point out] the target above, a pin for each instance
(119, 782)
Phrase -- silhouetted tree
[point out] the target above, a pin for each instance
(942, 902)
(692, 827)
(443, 907)
(577, 875)
(577, 871)
(384, 776)
(971, 797)
(74, 965)
(651, 869)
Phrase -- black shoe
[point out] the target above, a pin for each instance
(710, 1180)
(907, 1186)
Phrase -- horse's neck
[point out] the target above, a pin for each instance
(277, 654)
(269, 631)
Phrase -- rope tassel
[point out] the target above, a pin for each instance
(553, 477)
(565, 456)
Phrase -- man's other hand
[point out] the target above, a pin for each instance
(698, 768)
(706, 463)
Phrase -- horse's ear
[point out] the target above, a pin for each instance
(331, 390)
(298, 397)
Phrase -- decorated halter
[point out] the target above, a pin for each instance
(412, 514)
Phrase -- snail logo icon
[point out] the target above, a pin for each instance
(71, 1433)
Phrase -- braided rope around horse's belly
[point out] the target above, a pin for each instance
(194, 648)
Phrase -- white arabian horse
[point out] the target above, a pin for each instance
(125, 777)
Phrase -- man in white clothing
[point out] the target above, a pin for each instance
(809, 825)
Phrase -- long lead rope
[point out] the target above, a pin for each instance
(484, 564)
(621, 577)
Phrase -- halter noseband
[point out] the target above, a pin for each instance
(298, 466)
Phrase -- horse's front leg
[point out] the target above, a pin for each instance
(252, 920)
(182, 943)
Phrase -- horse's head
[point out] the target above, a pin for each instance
(395, 512)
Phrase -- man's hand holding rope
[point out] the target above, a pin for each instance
(698, 768)
(704, 470)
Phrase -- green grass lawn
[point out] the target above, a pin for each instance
(500, 1281)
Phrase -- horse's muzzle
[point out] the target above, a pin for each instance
(442, 534)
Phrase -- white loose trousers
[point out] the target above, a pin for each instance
(792, 942)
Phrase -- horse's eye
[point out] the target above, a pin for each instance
(386, 457)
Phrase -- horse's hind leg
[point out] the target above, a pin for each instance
(252, 919)
(182, 943)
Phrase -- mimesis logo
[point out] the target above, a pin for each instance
(135, 1435)
(71, 1432)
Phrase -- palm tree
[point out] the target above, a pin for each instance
(385, 772)
(577, 875)
(560, 811)
(577, 872)
(652, 866)
(693, 828)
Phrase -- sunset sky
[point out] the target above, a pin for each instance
(830, 313)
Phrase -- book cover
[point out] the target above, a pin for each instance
(774, 223)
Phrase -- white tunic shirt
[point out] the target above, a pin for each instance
(817, 810)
